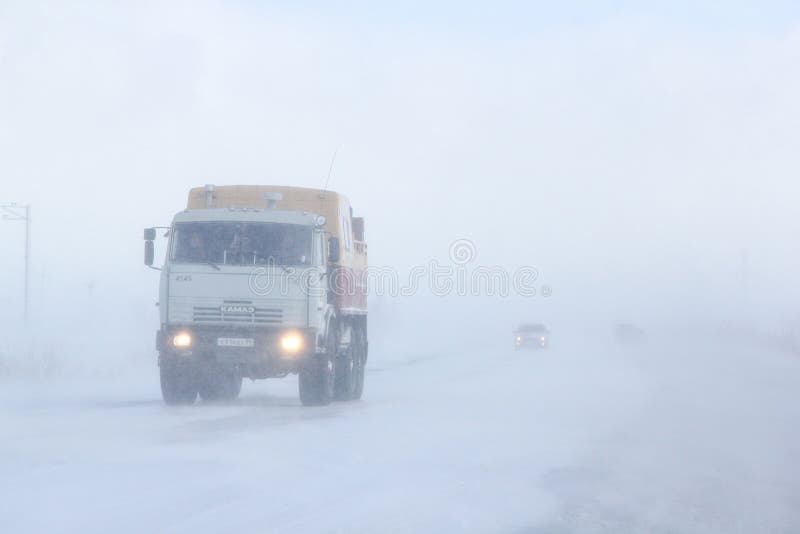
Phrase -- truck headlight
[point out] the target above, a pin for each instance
(183, 339)
(291, 342)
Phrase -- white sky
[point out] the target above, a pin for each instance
(630, 153)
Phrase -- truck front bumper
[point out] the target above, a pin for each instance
(254, 352)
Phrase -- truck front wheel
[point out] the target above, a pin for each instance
(178, 384)
(316, 378)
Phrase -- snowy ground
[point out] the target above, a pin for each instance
(576, 439)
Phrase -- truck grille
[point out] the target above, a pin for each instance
(214, 314)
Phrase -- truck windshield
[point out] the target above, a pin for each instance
(241, 243)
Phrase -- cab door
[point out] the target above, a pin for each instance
(317, 285)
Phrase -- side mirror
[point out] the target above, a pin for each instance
(149, 234)
(333, 249)
(149, 253)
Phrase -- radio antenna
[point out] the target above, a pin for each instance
(330, 170)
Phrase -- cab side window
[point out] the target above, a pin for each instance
(347, 231)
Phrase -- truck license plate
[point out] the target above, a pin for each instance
(235, 342)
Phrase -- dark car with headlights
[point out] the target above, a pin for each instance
(531, 336)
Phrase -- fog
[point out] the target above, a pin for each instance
(642, 158)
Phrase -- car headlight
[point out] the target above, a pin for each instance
(519, 338)
(292, 342)
(183, 339)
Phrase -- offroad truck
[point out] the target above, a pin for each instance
(260, 282)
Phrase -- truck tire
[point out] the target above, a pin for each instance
(178, 384)
(360, 365)
(220, 386)
(316, 378)
(345, 380)
(350, 369)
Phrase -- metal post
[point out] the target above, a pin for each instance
(11, 213)
(27, 258)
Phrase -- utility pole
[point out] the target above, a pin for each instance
(13, 212)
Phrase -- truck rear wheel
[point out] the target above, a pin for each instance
(220, 386)
(178, 384)
(350, 369)
(316, 377)
(344, 384)
(360, 365)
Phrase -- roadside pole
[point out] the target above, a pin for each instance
(13, 212)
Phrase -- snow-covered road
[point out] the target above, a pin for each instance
(576, 439)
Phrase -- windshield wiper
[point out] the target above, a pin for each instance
(214, 265)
